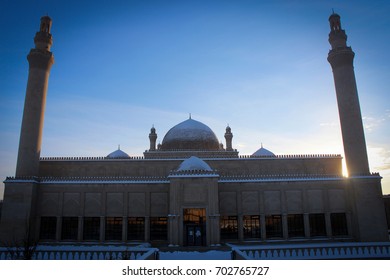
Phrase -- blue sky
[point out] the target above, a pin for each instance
(259, 66)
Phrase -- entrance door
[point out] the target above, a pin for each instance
(195, 235)
(195, 227)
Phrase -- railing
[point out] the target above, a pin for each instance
(90, 158)
(272, 177)
(90, 179)
(202, 173)
(299, 156)
(208, 155)
(365, 250)
(81, 254)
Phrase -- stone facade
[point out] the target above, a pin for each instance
(231, 195)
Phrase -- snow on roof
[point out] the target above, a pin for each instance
(190, 126)
(187, 133)
(118, 154)
(262, 152)
(194, 163)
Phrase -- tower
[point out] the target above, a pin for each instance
(152, 138)
(340, 58)
(18, 224)
(40, 61)
(368, 217)
(229, 137)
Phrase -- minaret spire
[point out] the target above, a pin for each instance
(228, 138)
(152, 138)
(341, 58)
(40, 61)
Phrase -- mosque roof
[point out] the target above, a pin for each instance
(190, 135)
(194, 164)
(118, 154)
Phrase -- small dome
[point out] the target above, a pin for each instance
(190, 135)
(262, 152)
(194, 163)
(118, 154)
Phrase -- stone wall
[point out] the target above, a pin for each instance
(114, 200)
(283, 197)
(293, 165)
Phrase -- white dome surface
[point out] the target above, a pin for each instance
(194, 163)
(262, 152)
(190, 135)
(118, 154)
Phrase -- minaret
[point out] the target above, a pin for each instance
(152, 138)
(40, 61)
(340, 58)
(228, 137)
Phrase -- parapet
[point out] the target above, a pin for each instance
(187, 154)
(193, 173)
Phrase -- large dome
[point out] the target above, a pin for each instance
(190, 135)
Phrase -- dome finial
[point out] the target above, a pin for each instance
(190, 116)
(119, 146)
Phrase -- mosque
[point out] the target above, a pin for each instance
(191, 190)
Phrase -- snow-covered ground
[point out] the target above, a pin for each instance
(91, 247)
(80, 252)
(306, 251)
(194, 255)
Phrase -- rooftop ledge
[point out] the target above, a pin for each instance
(222, 179)
(303, 156)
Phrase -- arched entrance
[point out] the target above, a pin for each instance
(194, 224)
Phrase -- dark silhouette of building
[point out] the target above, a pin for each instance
(190, 190)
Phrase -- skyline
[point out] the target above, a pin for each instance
(259, 67)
